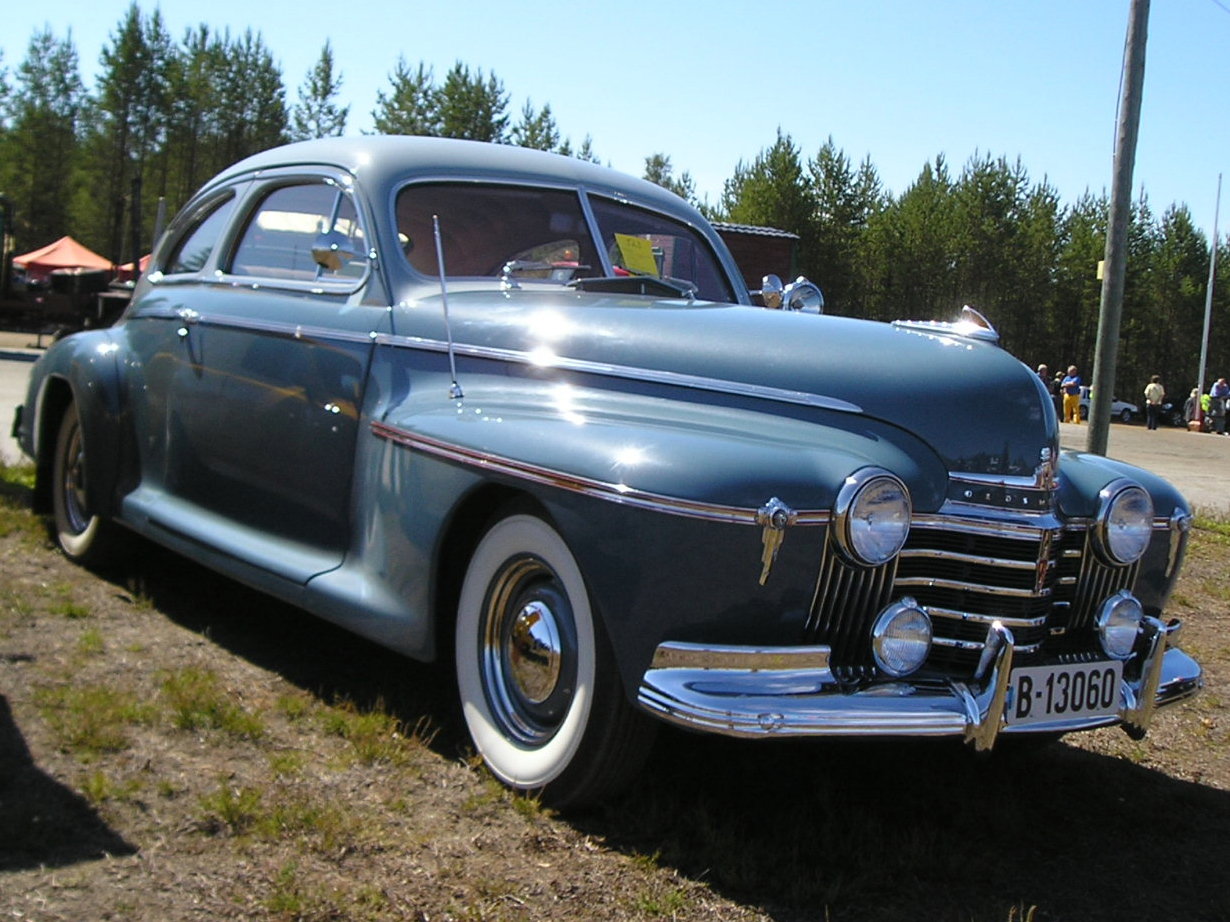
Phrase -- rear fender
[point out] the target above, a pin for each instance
(81, 369)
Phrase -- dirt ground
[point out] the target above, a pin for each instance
(174, 747)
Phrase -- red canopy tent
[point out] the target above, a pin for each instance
(65, 253)
(123, 273)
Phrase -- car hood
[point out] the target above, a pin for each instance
(979, 409)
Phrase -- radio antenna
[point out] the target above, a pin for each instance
(454, 392)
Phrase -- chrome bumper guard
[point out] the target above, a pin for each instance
(791, 691)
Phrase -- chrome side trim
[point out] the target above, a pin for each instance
(595, 489)
(296, 331)
(626, 372)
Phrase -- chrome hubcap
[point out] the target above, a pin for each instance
(534, 652)
(528, 656)
(74, 485)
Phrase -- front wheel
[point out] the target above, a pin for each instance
(539, 689)
(83, 535)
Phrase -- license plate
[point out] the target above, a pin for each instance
(1047, 693)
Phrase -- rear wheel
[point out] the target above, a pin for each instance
(539, 689)
(83, 535)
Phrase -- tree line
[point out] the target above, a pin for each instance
(167, 114)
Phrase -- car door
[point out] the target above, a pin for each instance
(262, 416)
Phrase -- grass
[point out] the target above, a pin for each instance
(90, 720)
(198, 702)
(375, 735)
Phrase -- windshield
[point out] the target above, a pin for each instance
(543, 233)
(642, 242)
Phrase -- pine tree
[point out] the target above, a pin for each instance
(537, 129)
(658, 169)
(472, 107)
(317, 114)
(41, 142)
(411, 106)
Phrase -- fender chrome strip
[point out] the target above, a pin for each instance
(585, 486)
(653, 376)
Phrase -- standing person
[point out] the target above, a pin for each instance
(1071, 386)
(1052, 388)
(1154, 395)
(1190, 407)
(1217, 405)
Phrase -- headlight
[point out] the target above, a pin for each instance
(901, 638)
(1119, 623)
(872, 516)
(1125, 522)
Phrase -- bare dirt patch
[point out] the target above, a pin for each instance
(176, 747)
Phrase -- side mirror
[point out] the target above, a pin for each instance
(770, 291)
(333, 250)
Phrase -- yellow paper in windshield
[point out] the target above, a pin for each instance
(637, 254)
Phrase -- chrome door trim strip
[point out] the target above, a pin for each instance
(585, 486)
(627, 372)
(311, 334)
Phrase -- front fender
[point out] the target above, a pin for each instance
(1082, 476)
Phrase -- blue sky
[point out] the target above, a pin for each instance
(709, 82)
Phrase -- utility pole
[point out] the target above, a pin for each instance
(1111, 311)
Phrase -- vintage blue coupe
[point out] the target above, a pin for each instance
(486, 403)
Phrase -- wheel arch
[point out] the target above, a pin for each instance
(471, 518)
(55, 399)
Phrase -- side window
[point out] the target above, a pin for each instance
(278, 240)
(193, 249)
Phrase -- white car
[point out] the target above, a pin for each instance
(1119, 409)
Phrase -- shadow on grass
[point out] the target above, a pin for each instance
(43, 823)
(813, 830)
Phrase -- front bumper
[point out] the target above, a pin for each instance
(791, 691)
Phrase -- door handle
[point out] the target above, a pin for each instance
(187, 317)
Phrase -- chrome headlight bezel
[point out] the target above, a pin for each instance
(1119, 621)
(901, 638)
(871, 517)
(1124, 525)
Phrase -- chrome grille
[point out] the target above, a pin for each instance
(1044, 583)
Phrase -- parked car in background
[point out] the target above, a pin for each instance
(517, 410)
(1120, 410)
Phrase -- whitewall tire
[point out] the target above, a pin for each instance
(538, 685)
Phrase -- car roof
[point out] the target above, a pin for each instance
(381, 159)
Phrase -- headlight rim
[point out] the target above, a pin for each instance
(852, 489)
(1108, 498)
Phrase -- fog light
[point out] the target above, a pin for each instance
(901, 638)
(1118, 624)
